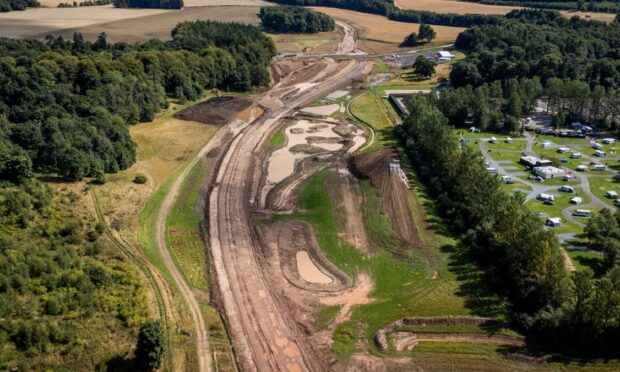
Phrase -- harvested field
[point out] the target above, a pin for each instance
(41, 21)
(379, 28)
(197, 3)
(152, 25)
(463, 7)
(217, 110)
(322, 42)
(384, 171)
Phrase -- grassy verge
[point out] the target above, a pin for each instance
(368, 109)
(277, 139)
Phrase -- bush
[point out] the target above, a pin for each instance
(140, 179)
(150, 347)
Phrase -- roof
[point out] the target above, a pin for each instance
(554, 219)
(530, 159)
(443, 53)
(548, 169)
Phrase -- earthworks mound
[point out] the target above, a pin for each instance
(385, 173)
(216, 110)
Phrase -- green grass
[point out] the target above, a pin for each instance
(277, 139)
(380, 67)
(600, 185)
(403, 285)
(325, 315)
(459, 330)
(561, 202)
(516, 145)
(369, 110)
(584, 259)
(183, 233)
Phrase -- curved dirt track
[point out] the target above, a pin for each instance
(266, 336)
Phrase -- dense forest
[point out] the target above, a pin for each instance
(64, 104)
(576, 62)
(62, 286)
(388, 9)
(295, 19)
(157, 4)
(610, 6)
(8, 5)
(578, 315)
(64, 110)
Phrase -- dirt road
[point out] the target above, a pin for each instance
(347, 44)
(205, 362)
(265, 335)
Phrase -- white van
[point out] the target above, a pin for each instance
(582, 213)
(546, 197)
(611, 194)
(576, 155)
(597, 146)
(599, 167)
(599, 153)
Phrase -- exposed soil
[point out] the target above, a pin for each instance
(384, 171)
(216, 110)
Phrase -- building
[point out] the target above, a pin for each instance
(553, 222)
(576, 200)
(399, 98)
(444, 56)
(529, 161)
(548, 171)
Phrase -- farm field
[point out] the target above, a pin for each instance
(322, 42)
(41, 21)
(463, 7)
(157, 25)
(380, 29)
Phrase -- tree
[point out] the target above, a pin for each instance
(426, 33)
(411, 40)
(150, 347)
(424, 67)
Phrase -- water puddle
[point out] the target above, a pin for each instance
(308, 270)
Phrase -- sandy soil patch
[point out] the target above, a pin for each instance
(154, 25)
(322, 110)
(463, 7)
(358, 295)
(46, 20)
(309, 271)
(382, 29)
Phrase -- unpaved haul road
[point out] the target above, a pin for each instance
(266, 336)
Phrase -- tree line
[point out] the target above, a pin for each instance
(8, 5)
(64, 105)
(388, 9)
(543, 44)
(156, 4)
(295, 19)
(579, 314)
(608, 6)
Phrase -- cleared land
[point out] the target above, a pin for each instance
(46, 20)
(463, 7)
(378, 28)
(322, 42)
(149, 26)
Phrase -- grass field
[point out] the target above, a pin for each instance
(600, 185)
(413, 285)
(583, 259)
(143, 27)
(555, 210)
(322, 42)
(381, 29)
(371, 110)
(277, 139)
(463, 7)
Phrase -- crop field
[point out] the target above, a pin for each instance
(158, 25)
(463, 7)
(42, 21)
(322, 42)
(379, 28)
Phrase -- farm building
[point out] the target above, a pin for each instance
(548, 171)
(444, 56)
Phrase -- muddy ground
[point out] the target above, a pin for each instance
(216, 110)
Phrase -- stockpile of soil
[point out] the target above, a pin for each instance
(383, 169)
(216, 110)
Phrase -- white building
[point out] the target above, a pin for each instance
(444, 56)
(553, 222)
(548, 171)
